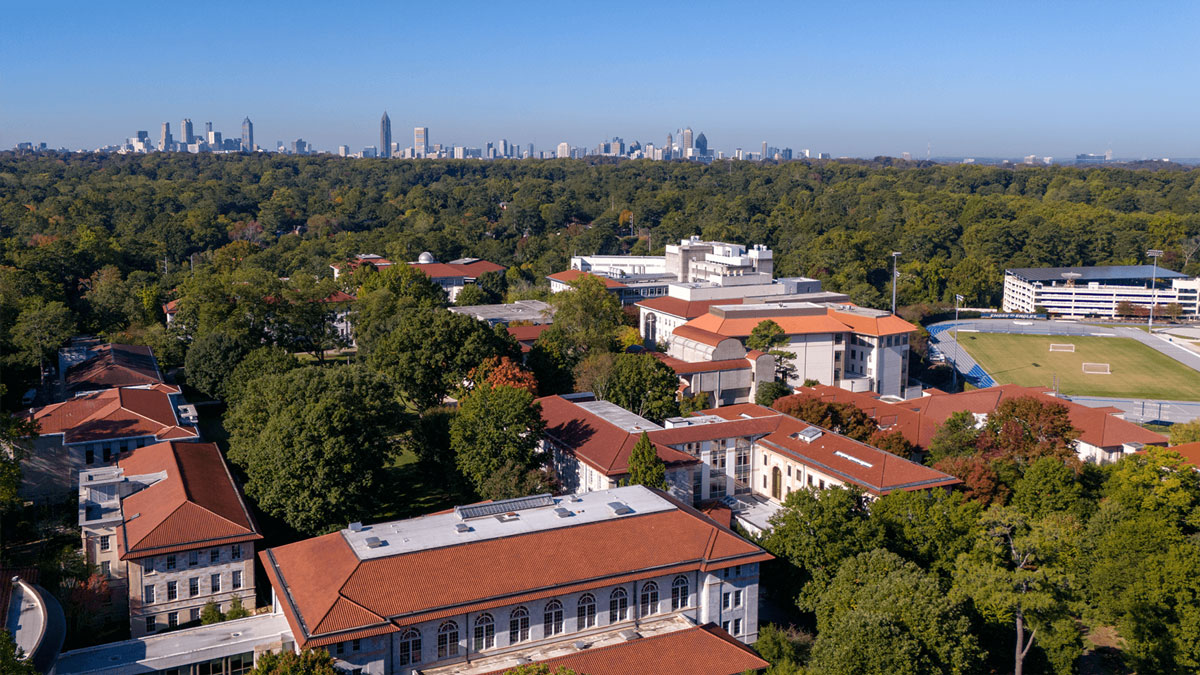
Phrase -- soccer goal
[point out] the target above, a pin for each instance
(1096, 369)
(1068, 347)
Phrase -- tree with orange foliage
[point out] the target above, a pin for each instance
(503, 371)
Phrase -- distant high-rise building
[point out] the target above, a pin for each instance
(420, 141)
(564, 150)
(701, 145)
(299, 147)
(385, 136)
(531, 150)
(185, 131)
(764, 155)
(343, 150)
(247, 135)
(165, 141)
(687, 139)
(667, 148)
(207, 129)
(503, 148)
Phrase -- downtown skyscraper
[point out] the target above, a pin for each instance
(385, 136)
(420, 141)
(247, 135)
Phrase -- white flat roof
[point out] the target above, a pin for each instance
(176, 648)
(441, 529)
(618, 416)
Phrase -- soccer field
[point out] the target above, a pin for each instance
(1137, 370)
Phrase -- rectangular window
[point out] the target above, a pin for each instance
(89, 456)
(214, 556)
(355, 645)
(172, 590)
(194, 559)
(106, 568)
(148, 594)
(104, 542)
(339, 648)
(725, 626)
(172, 619)
(236, 551)
(737, 598)
(194, 587)
(170, 562)
(725, 601)
(214, 583)
(194, 615)
(737, 626)
(150, 625)
(237, 579)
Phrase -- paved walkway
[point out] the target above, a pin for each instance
(1137, 410)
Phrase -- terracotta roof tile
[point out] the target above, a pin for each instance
(567, 276)
(698, 334)
(470, 270)
(601, 444)
(113, 365)
(683, 308)
(830, 321)
(702, 650)
(316, 578)
(1190, 453)
(682, 367)
(196, 503)
(114, 413)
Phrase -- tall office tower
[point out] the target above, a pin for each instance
(531, 150)
(687, 139)
(701, 145)
(385, 136)
(247, 135)
(503, 147)
(343, 150)
(210, 135)
(667, 148)
(165, 141)
(564, 150)
(185, 131)
(420, 141)
(764, 152)
(207, 129)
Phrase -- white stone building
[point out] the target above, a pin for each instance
(1096, 291)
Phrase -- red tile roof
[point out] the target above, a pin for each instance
(196, 505)
(682, 367)
(875, 471)
(329, 595)
(918, 419)
(527, 335)
(599, 443)
(171, 307)
(115, 413)
(113, 365)
(697, 334)
(830, 321)
(567, 276)
(470, 270)
(683, 308)
(702, 650)
(375, 262)
(1190, 452)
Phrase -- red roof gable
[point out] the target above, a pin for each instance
(1190, 453)
(601, 444)
(125, 412)
(324, 588)
(682, 367)
(196, 504)
(684, 308)
(113, 365)
(450, 270)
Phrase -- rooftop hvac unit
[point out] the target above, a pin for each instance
(619, 508)
(808, 435)
(374, 542)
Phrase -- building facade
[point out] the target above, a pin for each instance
(1097, 291)
(167, 526)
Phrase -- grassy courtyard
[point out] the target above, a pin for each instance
(1137, 370)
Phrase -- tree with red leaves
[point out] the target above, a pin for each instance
(503, 371)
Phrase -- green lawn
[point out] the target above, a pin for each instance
(1137, 370)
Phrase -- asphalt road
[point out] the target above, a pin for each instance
(1136, 410)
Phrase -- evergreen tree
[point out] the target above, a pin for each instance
(645, 466)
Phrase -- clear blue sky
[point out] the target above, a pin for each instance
(1052, 77)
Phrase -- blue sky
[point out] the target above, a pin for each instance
(1052, 77)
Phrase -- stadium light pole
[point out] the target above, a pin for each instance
(1071, 277)
(954, 362)
(1153, 253)
(895, 275)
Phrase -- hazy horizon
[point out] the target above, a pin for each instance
(858, 80)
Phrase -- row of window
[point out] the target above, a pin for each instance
(214, 586)
(238, 664)
(171, 562)
(106, 449)
(483, 636)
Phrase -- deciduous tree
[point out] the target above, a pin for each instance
(287, 662)
(41, 328)
(496, 426)
(643, 385)
(588, 315)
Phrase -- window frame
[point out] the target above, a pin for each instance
(409, 651)
(553, 622)
(483, 635)
(585, 611)
(618, 605)
(680, 593)
(648, 599)
(447, 640)
(518, 625)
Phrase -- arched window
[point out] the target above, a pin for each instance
(679, 593)
(410, 647)
(618, 606)
(447, 640)
(485, 632)
(586, 613)
(648, 602)
(552, 619)
(518, 625)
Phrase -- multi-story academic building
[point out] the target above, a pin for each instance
(167, 526)
(1096, 291)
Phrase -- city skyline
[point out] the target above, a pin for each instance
(859, 80)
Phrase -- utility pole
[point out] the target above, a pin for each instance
(1154, 254)
(895, 276)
